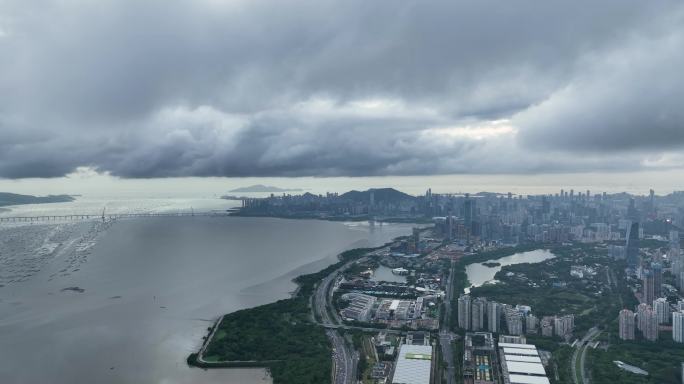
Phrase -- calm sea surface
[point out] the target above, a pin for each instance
(139, 300)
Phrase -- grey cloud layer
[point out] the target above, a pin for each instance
(256, 88)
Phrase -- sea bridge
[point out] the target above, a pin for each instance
(108, 216)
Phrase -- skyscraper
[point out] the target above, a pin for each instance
(546, 205)
(647, 286)
(678, 326)
(677, 266)
(651, 201)
(469, 209)
(464, 309)
(626, 320)
(632, 212)
(632, 245)
(415, 239)
(657, 270)
(450, 226)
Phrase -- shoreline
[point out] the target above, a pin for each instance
(304, 290)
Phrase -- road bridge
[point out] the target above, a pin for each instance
(109, 216)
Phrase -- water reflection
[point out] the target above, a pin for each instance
(151, 287)
(383, 273)
(479, 274)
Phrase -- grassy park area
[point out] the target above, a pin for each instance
(550, 288)
(662, 360)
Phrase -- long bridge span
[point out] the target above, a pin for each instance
(108, 216)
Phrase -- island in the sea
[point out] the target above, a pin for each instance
(7, 199)
(260, 188)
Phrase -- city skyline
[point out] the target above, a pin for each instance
(88, 183)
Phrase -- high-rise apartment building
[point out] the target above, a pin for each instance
(494, 311)
(514, 321)
(650, 326)
(478, 308)
(531, 323)
(678, 326)
(626, 320)
(464, 312)
(641, 308)
(547, 326)
(662, 310)
(680, 305)
(564, 325)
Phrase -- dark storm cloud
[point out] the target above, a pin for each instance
(627, 98)
(291, 88)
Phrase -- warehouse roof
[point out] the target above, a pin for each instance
(524, 379)
(524, 367)
(513, 345)
(520, 351)
(414, 365)
(529, 359)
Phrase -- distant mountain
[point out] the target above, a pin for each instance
(489, 194)
(263, 188)
(14, 199)
(388, 195)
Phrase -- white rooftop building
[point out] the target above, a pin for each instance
(525, 367)
(414, 365)
(521, 364)
(524, 379)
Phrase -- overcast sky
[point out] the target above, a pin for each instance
(145, 89)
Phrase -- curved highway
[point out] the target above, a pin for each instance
(345, 358)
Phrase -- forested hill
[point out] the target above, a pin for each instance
(388, 195)
(15, 199)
